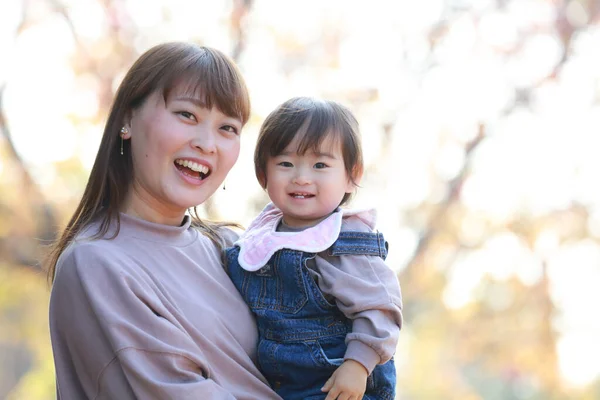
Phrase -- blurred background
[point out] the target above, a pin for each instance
(480, 125)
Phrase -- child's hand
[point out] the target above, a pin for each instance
(348, 382)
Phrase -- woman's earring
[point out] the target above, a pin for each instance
(123, 133)
(223, 185)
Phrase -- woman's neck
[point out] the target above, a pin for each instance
(152, 211)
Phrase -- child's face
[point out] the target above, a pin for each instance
(308, 187)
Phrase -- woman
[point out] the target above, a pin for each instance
(141, 306)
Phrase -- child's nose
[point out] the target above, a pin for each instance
(301, 178)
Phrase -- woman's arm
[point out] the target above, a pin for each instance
(158, 375)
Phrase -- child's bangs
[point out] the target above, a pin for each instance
(321, 126)
(317, 130)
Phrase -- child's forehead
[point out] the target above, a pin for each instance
(330, 143)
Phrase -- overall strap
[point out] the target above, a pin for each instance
(360, 243)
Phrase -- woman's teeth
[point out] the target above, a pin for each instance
(203, 169)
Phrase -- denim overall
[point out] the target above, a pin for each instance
(301, 334)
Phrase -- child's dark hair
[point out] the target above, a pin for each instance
(313, 120)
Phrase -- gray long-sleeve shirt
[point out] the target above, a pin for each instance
(151, 314)
(366, 290)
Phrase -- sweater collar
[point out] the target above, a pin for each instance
(153, 232)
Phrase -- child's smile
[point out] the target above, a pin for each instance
(302, 195)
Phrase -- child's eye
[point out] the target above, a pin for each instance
(320, 165)
(187, 115)
(285, 164)
(230, 128)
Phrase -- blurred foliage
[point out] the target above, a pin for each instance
(500, 345)
(27, 367)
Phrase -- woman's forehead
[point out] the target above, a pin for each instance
(187, 89)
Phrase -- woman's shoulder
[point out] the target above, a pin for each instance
(229, 234)
(87, 257)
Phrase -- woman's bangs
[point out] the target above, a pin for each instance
(212, 85)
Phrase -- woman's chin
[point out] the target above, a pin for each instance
(192, 201)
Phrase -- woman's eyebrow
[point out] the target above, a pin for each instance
(194, 100)
(202, 104)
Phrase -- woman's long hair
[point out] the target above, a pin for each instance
(201, 70)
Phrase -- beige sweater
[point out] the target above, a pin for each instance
(151, 314)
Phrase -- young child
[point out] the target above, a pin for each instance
(328, 308)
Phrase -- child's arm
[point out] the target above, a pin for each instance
(367, 292)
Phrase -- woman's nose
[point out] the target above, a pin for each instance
(205, 140)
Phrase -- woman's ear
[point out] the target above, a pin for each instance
(127, 123)
(126, 132)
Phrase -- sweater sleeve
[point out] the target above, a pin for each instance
(107, 322)
(366, 290)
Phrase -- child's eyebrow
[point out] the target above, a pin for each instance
(323, 154)
(316, 153)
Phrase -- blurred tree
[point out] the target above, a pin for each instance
(500, 345)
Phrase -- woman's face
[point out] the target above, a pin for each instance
(181, 151)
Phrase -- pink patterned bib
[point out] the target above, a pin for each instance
(261, 240)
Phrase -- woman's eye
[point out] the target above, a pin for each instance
(230, 128)
(285, 164)
(320, 165)
(187, 115)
